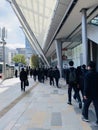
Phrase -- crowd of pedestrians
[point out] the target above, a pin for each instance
(40, 74)
(85, 80)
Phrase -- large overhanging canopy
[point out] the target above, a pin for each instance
(44, 21)
(38, 15)
(35, 17)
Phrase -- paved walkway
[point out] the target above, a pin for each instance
(41, 107)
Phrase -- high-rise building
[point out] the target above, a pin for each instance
(29, 51)
(21, 50)
(11, 54)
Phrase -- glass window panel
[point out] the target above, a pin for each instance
(35, 6)
(47, 12)
(38, 14)
(29, 4)
(41, 10)
(41, 2)
(50, 3)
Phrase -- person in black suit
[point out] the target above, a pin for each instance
(90, 91)
(23, 78)
(57, 76)
(51, 76)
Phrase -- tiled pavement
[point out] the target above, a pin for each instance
(41, 107)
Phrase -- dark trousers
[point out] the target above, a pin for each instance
(51, 81)
(23, 85)
(87, 103)
(34, 77)
(57, 81)
(77, 95)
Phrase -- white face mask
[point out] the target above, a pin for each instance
(88, 67)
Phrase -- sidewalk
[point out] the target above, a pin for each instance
(41, 107)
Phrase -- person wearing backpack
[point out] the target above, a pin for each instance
(23, 77)
(71, 80)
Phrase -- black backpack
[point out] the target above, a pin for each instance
(72, 75)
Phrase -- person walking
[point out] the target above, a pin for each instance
(71, 80)
(90, 91)
(23, 78)
(81, 71)
(34, 72)
(51, 76)
(81, 76)
(31, 72)
(16, 73)
(57, 76)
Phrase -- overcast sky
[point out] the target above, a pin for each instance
(8, 19)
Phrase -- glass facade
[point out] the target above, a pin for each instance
(76, 55)
(28, 50)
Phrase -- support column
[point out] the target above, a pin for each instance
(84, 37)
(59, 55)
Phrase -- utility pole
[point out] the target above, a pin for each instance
(3, 36)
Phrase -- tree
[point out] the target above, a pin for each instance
(34, 61)
(19, 58)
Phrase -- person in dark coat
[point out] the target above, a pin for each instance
(23, 78)
(46, 73)
(39, 74)
(42, 75)
(90, 91)
(16, 73)
(31, 72)
(81, 75)
(57, 76)
(34, 74)
(81, 71)
(51, 76)
(72, 83)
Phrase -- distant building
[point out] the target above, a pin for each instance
(20, 50)
(29, 51)
(11, 54)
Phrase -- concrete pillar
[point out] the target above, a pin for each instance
(59, 55)
(84, 37)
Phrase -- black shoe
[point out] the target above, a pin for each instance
(69, 103)
(80, 105)
(58, 87)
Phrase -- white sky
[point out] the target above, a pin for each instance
(8, 19)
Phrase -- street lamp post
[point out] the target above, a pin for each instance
(3, 47)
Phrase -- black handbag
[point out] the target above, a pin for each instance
(27, 82)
